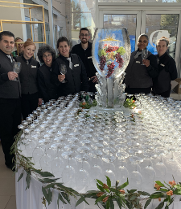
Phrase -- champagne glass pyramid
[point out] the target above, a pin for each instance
(111, 53)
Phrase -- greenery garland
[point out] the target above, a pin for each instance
(106, 195)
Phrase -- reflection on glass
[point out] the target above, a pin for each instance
(158, 26)
(124, 21)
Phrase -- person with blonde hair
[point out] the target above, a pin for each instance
(19, 47)
(166, 67)
(28, 79)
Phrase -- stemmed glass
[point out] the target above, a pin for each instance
(68, 174)
(144, 54)
(63, 71)
(82, 175)
(16, 68)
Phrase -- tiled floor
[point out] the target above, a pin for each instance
(7, 185)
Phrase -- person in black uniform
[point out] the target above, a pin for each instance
(10, 104)
(68, 71)
(28, 78)
(84, 51)
(139, 73)
(46, 55)
(19, 47)
(166, 67)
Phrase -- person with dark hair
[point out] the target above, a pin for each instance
(84, 51)
(10, 104)
(166, 67)
(28, 78)
(46, 55)
(68, 71)
(139, 72)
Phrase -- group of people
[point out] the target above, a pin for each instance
(69, 73)
(21, 93)
(153, 74)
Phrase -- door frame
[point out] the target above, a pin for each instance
(141, 10)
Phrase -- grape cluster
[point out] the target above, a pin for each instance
(102, 62)
(111, 48)
(110, 69)
(119, 60)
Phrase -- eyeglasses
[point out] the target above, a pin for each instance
(84, 35)
(45, 56)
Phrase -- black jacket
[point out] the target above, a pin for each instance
(8, 89)
(28, 75)
(76, 78)
(86, 57)
(140, 76)
(167, 72)
(47, 90)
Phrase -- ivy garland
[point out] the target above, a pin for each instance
(106, 195)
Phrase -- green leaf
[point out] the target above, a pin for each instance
(123, 185)
(45, 193)
(147, 203)
(100, 182)
(118, 200)
(52, 185)
(160, 205)
(61, 198)
(144, 193)
(108, 181)
(100, 188)
(114, 190)
(133, 197)
(100, 198)
(47, 180)
(49, 200)
(159, 183)
(156, 195)
(132, 190)
(65, 196)
(163, 190)
(45, 174)
(111, 204)
(28, 179)
(108, 204)
(20, 176)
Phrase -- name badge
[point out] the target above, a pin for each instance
(89, 57)
(138, 62)
(76, 65)
(162, 65)
(32, 66)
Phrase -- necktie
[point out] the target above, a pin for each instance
(10, 58)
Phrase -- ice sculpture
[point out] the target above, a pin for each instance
(111, 53)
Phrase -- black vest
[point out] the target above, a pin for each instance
(74, 77)
(8, 89)
(162, 82)
(28, 75)
(136, 74)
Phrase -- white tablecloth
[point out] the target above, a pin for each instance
(32, 197)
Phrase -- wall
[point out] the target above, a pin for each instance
(11, 14)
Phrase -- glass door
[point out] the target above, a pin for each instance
(126, 19)
(155, 24)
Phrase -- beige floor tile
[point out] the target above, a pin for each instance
(12, 203)
(7, 186)
(6, 172)
(4, 201)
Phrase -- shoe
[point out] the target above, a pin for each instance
(11, 166)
